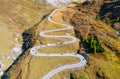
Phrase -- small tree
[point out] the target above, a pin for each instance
(94, 44)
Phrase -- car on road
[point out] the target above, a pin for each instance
(67, 34)
(59, 43)
(48, 44)
(76, 54)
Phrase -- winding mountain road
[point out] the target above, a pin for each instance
(55, 71)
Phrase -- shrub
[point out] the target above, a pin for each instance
(94, 44)
(75, 2)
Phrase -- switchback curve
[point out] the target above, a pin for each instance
(55, 71)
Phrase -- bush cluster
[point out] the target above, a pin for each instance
(94, 44)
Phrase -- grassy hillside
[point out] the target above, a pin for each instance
(15, 17)
(86, 21)
(42, 63)
(27, 66)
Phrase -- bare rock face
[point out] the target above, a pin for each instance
(110, 10)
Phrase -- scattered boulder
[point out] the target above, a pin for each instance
(100, 74)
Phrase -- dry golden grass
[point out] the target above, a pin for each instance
(113, 43)
(7, 63)
(64, 15)
(58, 49)
(40, 66)
(110, 68)
(16, 16)
(64, 32)
(108, 62)
(110, 55)
(71, 48)
(6, 42)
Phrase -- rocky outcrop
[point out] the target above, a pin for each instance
(28, 40)
(110, 10)
(110, 14)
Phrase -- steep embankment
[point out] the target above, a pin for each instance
(15, 17)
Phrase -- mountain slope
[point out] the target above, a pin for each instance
(15, 17)
(85, 19)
